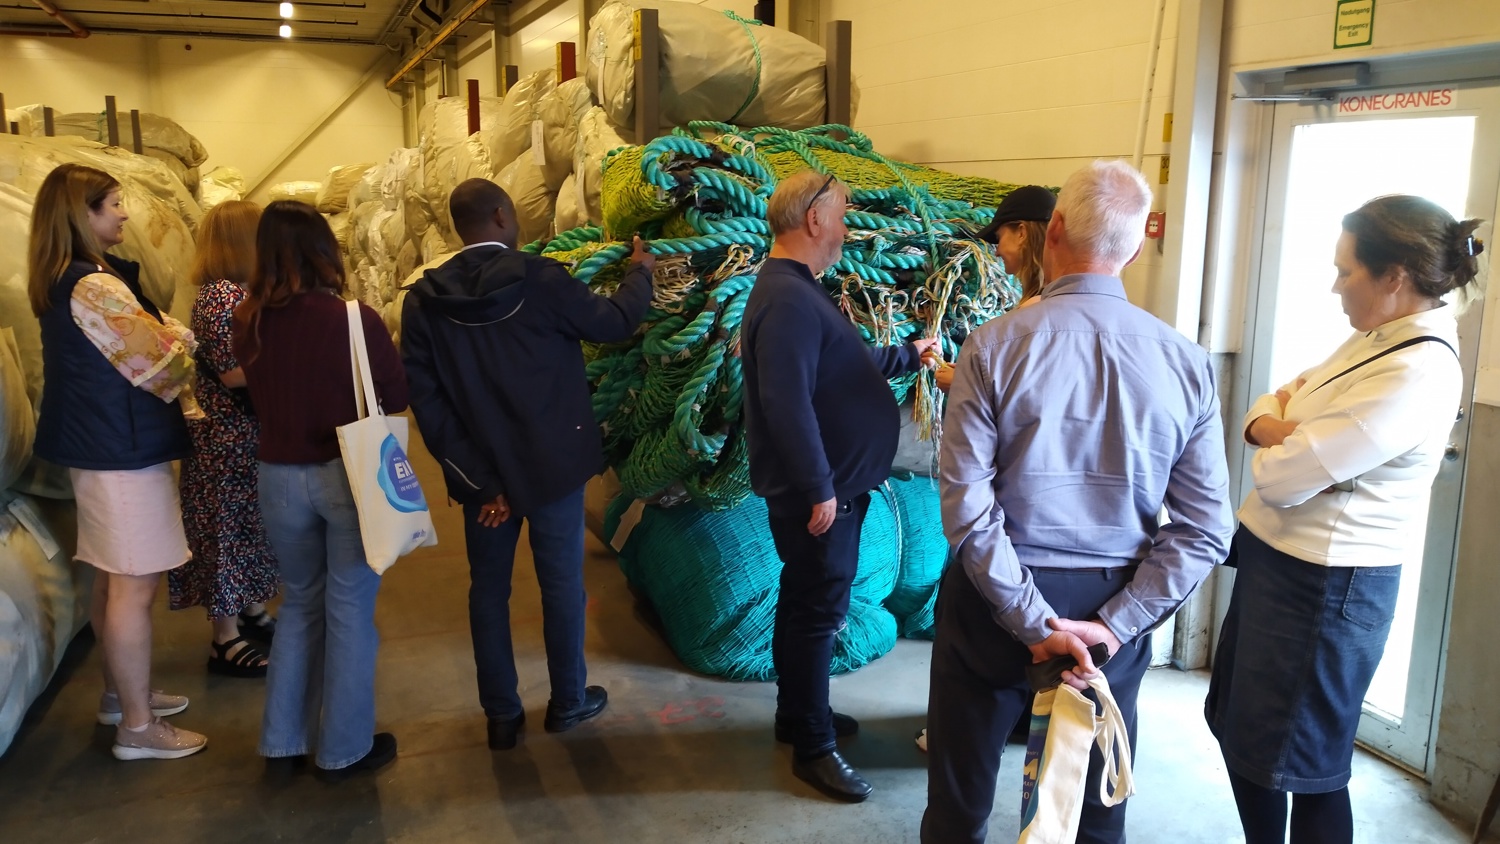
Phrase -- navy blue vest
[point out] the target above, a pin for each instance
(91, 417)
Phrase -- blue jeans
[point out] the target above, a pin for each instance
(557, 552)
(320, 690)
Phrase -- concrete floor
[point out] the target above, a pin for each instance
(676, 758)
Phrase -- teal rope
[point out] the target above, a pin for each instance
(754, 45)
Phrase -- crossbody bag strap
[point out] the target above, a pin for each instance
(1425, 338)
(365, 401)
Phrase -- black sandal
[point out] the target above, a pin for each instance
(248, 661)
(259, 626)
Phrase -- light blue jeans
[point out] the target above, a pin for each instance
(320, 690)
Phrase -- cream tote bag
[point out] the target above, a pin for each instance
(1064, 728)
(393, 515)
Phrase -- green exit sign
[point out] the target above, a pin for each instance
(1353, 24)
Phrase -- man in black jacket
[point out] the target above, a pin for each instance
(490, 340)
(822, 427)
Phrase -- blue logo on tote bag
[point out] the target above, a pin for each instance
(398, 479)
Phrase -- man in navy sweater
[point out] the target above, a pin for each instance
(822, 427)
(490, 340)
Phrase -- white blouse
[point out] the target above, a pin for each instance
(1346, 485)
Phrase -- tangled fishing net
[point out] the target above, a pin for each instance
(669, 400)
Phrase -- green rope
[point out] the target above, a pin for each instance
(669, 401)
(754, 45)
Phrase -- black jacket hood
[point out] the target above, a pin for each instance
(480, 284)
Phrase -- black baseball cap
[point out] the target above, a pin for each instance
(1029, 202)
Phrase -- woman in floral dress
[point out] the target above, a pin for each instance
(233, 571)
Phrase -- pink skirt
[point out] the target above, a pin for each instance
(130, 522)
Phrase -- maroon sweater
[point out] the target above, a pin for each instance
(301, 383)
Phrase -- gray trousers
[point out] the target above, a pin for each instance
(979, 692)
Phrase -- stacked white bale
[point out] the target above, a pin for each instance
(512, 131)
(450, 156)
(301, 191)
(597, 137)
(568, 213)
(560, 113)
(333, 197)
(220, 184)
(161, 138)
(533, 202)
(713, 67)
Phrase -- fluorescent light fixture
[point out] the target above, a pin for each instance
(286, 30)
(286, 10)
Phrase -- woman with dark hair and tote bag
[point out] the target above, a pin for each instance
(291, 335)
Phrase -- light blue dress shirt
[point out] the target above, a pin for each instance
(1070, 423)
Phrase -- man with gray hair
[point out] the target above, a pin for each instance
(822, 427)
(1069, 425)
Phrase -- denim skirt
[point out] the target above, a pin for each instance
(1299, 648)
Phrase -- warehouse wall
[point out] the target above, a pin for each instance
(231, 94)
(1016, 90)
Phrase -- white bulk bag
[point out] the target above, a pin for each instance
(713, 67)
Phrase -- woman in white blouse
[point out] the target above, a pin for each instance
(1347, 455)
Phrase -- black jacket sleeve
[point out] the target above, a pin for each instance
(896, 361)
(464, 464)
(585, 315)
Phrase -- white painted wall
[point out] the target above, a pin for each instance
(1022, 91)
(235, 96)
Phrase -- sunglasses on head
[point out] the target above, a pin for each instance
(814, 200)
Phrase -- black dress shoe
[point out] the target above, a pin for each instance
(382, 753)
(503, 731)
(833, 776)
(562, 720)
(843, 727)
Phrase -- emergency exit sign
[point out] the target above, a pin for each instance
(1353, 24)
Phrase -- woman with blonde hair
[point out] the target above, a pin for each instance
(291, 335)
(233, 570)
(116, 369)
(1019, 232)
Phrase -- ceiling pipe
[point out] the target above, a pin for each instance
(23, 32)
(76, 29)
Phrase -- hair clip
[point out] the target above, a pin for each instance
(1476, 246)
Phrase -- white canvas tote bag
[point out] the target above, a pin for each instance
(393, 515)
(1064, 728)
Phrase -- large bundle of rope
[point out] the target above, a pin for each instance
(712, 579)
(669, 401)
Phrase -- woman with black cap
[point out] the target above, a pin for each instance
(1019, 232)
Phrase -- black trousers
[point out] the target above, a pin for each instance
(816, 574)
(979, 691)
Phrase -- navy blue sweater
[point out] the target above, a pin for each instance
(491, 345)
(820, 419)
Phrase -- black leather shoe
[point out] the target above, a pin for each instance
(503, 731)
(382, 753)
(843, 727)
(833, 776)
(562, 720)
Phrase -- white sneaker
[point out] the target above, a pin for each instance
(159, 740)
(162, 705)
